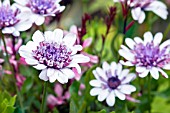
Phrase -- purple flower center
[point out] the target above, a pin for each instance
(53, 55)
(149, 55)
(42, 6)
(113, 82)
(141, 3)
(8, 16)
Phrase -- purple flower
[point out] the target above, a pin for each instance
(13, 20)
(54, 55)
(139, 6)
(111, 81)
(148, 55)
(40, 9)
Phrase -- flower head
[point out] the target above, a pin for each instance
(139, 6)
(12, 20)
(148, 55)
(111, 81)
(54, 55)
(41, 8)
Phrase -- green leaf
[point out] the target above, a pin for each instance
(27, 85)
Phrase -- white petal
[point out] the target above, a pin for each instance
(76, 48)
(129, 78)
(96, 75)
(113, 68)
(164, 44)
(167, 67)
(68, 72)
(62, 78)
(24, 52)
(119, 69)
(6, 2)
(154, 72)
(48, 35)
(76, 66)
(23, 26)
(21, 2)
(101, 73)
(40, 20)
(123, 74)
(144, 74)
(31, 45)
(43, 75)
(138, 40)
(130, 43)
(57, 35)
(95, 83)
(102, 96)
(140, 69)
(95, 91)
(54, 76)
(38, 36)
(105, 66)
(70, 39)
(163, 73)
(148, 37)
(127, 63)
(50, 72)
(138, 14)
(79, 58)
(120, 95)
(127, 89)
(157, 38)
(8, 30)
(40, 67)
(127, 55)
(141, 17)
(110, 100)
(31, 61)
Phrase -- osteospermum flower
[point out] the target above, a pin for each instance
(40, 9)
(139, 6)
(111, 81)
(54, 55)
(13, 20)
(148, 55)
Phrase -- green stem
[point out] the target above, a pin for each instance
(44, 98)
(149, 93)
(167, 31)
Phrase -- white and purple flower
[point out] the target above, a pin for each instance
(13, 20)
(54, 55)
(148, 55)
(40, 9)
(138, 8)
(111, 81)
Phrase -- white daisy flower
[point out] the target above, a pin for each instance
(54, 55)
(13, 20)
(148, 55)
(40, 9)
(111, 81)
(140, 6)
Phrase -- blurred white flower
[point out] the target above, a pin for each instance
(148, 55)
(111, 82)
(40, 9)
(54, 55)
(139, 6)
(13, 20)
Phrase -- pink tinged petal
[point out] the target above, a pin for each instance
(38, 37)
(101, 73)
(154, 73)
(129, 78)
(95, 83)
(144, 74)
(76, 48)
(113, 68)
(110, 100)
(164, 44)
(95, 91)
(51, 100)
(18, 44)
(130, 43)
(129, 98)
(120, 95)
(21, 2)
(68, 72)
(127, 55)
(127, 89)
(102, 96)
(1, 60)
(58, 89)
(119, 69)
(76, 66)
(50, 72)
(57, 35)
(31, 61)
(123, 74)
(148, 37)
(77, 75)
(40, 20)
(140, 69)
(163, 73)
(127, 63)
(105, 66)
(70, 39)
(138, 40)
(43, 75)
(87, 42)
(79, 58)
(40, 67)
(157, 38)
